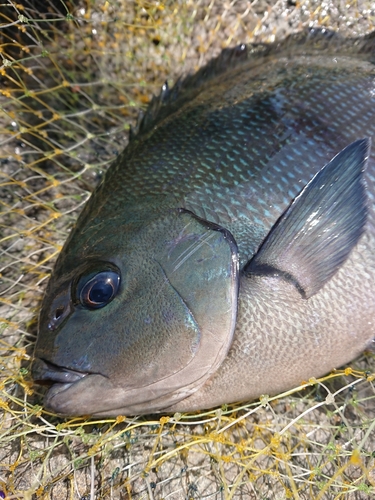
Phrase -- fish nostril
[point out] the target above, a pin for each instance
(59, 311)
(59, 314)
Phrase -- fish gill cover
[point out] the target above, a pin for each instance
(73, 76)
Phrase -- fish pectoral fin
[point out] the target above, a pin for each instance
(316, 234)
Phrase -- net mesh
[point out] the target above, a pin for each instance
(73, 76)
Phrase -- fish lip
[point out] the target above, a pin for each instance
(44, 371)
(54, 390)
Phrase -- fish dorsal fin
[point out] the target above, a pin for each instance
(316, 234)
(310, 41)
(185, 89)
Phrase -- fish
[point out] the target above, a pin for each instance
(229, 251)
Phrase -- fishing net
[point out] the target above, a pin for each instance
(73, 76)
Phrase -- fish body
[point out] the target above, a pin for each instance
(230, 250)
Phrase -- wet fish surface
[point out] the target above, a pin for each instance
(230, 250)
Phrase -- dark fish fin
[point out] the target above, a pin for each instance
(316, 234)
(322, 41)
(307, 42)
(366, 46)
(186, 88)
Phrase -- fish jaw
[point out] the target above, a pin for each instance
(62, 379)
(72, 391)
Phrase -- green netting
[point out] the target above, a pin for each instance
(73, 76)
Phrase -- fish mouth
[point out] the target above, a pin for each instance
(46, 373)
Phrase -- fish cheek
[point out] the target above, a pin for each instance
(145, 334)
(162, 334)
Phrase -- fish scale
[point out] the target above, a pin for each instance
(229, 250)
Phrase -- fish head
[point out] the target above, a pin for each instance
(138, 315)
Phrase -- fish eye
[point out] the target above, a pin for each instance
(99, 290)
